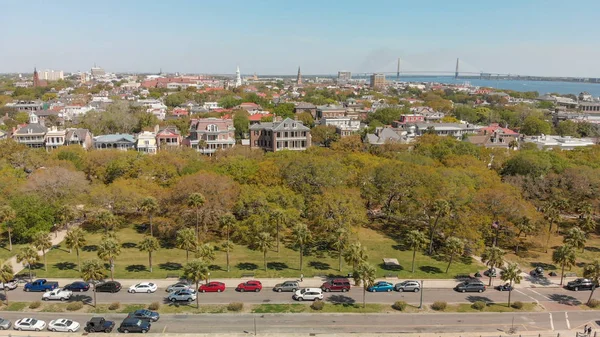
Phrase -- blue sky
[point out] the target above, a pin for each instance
(529, 37)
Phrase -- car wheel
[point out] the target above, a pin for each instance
(189, 300)
(480, 290)
(2, 328)
(279, 290)
(203, 290)
(63, 299)
(148, 291)
(20, 329)
(463, 290)
(144, 331)
(125, 331)
(294, 290)
(70, 330)
(44, 298)
(400, 290)
(26, 289)
(53, 329)
(80, 290)
(241, 290)
(173, 300)
(417, 290)
(300, 299)
(37, 329)
(389, 290)
(218, 290)
(344, 290)
(326, 290)
(576, 288)
(256, 290)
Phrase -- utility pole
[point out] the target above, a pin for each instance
(422, 290)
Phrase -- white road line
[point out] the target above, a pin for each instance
(533, 298)
(544, 296)
(164, 329)
(567, 318)
(551, 322)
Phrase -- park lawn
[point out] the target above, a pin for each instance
(6, 254)
(133, 263)
(280, 308)
(492, 307)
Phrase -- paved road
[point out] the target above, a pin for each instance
(558, 295)
(351, 323)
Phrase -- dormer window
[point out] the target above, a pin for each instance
(212, 128)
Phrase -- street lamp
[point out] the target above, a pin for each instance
(496, 226)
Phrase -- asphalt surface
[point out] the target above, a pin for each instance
(349, 323)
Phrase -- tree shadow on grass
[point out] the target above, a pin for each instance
(592, 249)
(90, 248)
(475, 298)
(319, 265)
(340, 299)
(247, 266)
(546, 266)
(142, 228)
(390, 267)
(170, 266)
(34, 266)
(129, 245)
(564, 299)
(135, 268)
(65, 265)
(277, 265)
(430, 269)
(86, 299)
(214, 267)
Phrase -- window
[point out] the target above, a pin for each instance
(212, 128)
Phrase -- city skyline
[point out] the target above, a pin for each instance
(545, 39)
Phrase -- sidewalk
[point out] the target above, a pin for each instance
(57, 237)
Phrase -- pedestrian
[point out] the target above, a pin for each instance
(585, 328)
(301, 277)
(589, 331)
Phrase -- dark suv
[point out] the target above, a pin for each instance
(580, 284)
(470, 286)
(99, 324)
(108, 287)
(337, 284)
(134, 325)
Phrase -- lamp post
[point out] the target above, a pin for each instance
(496, 226)
(421, 302)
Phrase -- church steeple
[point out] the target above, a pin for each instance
(36, 77)
(299, 78)
(238, 77)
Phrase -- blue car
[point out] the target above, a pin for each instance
(381, 286)
(77, 286)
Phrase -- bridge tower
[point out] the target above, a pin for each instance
(398, 70)
(456, 72)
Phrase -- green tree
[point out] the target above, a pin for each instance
(43, 242)
(29, 256)
(355, 254)
(106, 220)
(453, 246)
(416, 240)
(533, 126)
(149, 244)
(229, 102)
(206, 252)
(575, 237)
(196, 271)
(567, 128)
(264, 242)
(7, 215)
(227, 221)
(592, 272)
(340, 241)
(492, 257)
(279, 217)
(512, 275)
(365, 274)
(149, 206)
(92, 271)
(439, 209)
(301, 237)
(108, 250)
(186, 240)
(65, 215)
(565, 257)
(324, 135)
(6, 275)
(241, 122)
(523, 226)
(195, 201)
(75, 239)
(284, 110)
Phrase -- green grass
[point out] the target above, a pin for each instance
(54, 308)
(280, 308)
(492, 307)
(16, 306)
(125, 309)
(134, 264)
(354, 308)
(183, 308)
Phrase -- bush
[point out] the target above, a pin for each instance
(317, 305)
(439, 305)
(114, 306)
(235, 306)
(74, 306)
(400, 305)
(517, 305)
(154, 306)
(478, 305)
(35, 305)
(593, 303)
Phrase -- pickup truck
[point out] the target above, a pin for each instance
(57, 294)
(40, 285)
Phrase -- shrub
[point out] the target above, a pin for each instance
(517, 305)
(317, 305)
(114, 306)
(593, 303)
(235, 306)
(74, 306)
(154, 306)
(478, 305)
(439, 305)
(35, 305)
(400, 305)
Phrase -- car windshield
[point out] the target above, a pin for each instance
(33, 321)
(68, 323)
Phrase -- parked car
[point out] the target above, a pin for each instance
(185, 295)
(63, 325)
(381, 286)
(212, 287)
(144, 287)
(145, 314)
(177, 286)
(78, 286)
(29, 324)
(287, 286)
(10, 285)
(336, 284)
(537, 272)
(413, 286)
(57, 294)
(490, 272)
(4, 324)
(40, 285)
(308, 294)
(134, 325)
(99, 324)
(252, 285)
(504, 287)
(470, 286)
(580, 284)
(108, 287)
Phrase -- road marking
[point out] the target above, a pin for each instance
(544, 296)
(551, 322)
(533, 298)
(567, 318)
(164, 329)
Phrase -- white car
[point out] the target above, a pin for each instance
(63, 325)
(29, 324)
(57, 294)
(10, 285)
(308, 294)
(144, 287)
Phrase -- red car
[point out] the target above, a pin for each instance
(214, 287)
(253, 285)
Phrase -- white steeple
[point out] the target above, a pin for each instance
(238, 78)
(33, 118)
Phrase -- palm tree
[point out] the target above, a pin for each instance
(440, 209)
(149, 244)
(592, 272)
(575, 237)
(524, 226)
(65, 215)
(75, 239)
(149, 206)
(206, 252)
(108, 251)
(551, 214)
(42, 241)
(227, 221)
(186, 240)
(196, 271)
(195, 201)
(301, 236)
(280, 218)
(355, 254)
(512, 274)
(492, 257)
(565, 257)
(107, 220)
(92, 271)
(415, 240)
(340, 240)
(29, 256)
(263, 242)
(454, 246)
(7, 215)
(365, 274)
(6, 275)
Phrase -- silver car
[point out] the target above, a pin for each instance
(177, 287)
(413, 286)
(186, 295)
(287, 286)
(4, 324)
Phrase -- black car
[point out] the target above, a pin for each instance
(537, 272)
(108, 287)
(145, 314)
(505, 287)
(99, 324)
(580, 284)
(470, 287)
(134, 325)
(77, 286)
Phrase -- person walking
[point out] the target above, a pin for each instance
(589, 331)
(301, 277)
